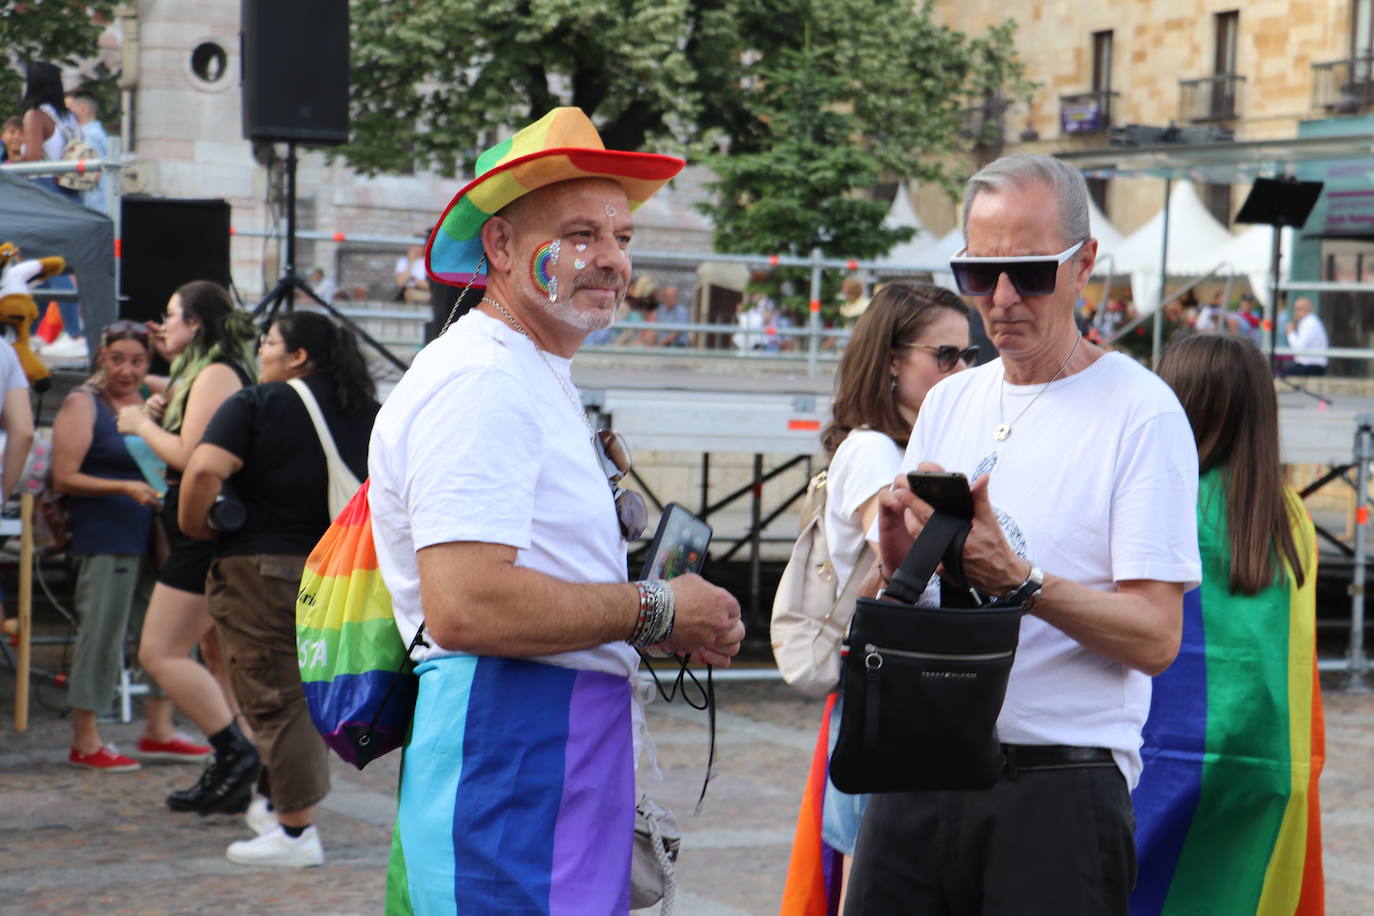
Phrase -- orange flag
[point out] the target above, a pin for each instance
(51, 325)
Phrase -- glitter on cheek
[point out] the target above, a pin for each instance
(542, 262)
(579, 263)
(580, 247)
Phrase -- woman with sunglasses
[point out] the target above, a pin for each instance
(910, 337)
(210, 345)
(1233, 746)
(111, 505)
(261, 448)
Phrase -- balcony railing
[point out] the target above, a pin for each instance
(1211, 98)
(1344, 86)
(982, 120)
(1086, 112)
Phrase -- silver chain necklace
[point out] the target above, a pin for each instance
(567, 389)
(1002, 430)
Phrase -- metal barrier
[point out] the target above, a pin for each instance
(811, 333)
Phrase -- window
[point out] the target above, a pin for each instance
(1217, 197)
(1097, 190)
(1102, 61)
(209, 61)
(1227, 32)
(1362, 28)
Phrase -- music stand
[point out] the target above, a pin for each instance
(1278, 202)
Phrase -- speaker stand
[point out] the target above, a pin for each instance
(283, 294)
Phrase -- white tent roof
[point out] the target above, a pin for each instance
(1195, 236)
(1108, 236)
(903, 214)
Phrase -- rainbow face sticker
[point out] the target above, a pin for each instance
(542, 263)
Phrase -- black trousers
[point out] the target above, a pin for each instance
(1047, 843)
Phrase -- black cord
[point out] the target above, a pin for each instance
(707, 702)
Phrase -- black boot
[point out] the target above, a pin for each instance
(192, 798)
(229, 780)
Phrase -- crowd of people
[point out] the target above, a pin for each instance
(501, 531)
(192, 501)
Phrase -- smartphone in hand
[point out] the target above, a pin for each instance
(945, 491)
(679, 545)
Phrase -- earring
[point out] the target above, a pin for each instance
(892, 383)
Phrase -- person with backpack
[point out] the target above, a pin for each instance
(110, 506)
(259, 450)
(500, 526)
(48, 125)
(909, 337)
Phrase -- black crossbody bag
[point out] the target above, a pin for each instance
(923, 686)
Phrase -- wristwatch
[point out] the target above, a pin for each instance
(1026, 592)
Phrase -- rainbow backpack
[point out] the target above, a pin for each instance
(357, 673)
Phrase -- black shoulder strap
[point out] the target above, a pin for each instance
(941, 539)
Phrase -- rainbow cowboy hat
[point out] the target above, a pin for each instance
(560, 146)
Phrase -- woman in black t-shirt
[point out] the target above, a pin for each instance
(261, 449)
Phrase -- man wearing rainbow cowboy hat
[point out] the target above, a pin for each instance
(499, 526)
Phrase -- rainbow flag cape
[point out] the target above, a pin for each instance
(1227, 814)
(814, 871)
(351, 656)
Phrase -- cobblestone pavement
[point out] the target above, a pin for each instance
(73, 842)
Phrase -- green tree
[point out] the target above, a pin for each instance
(800, 106)
(849, 93)
(61, 32)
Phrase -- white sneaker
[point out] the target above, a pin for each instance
(259, 816)
(278, 850)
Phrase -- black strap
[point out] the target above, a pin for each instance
(708, 703)
(386, 697)
(942, 538)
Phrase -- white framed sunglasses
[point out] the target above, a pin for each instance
(1031, 275)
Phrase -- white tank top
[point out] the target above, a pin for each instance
(65, 129)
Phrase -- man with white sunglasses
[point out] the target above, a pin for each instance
(1084, 478)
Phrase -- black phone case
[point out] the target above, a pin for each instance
(946, 492)
(664, 524)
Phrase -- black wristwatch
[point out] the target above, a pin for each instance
(1026, 592)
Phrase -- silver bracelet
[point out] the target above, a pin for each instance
(656, 613)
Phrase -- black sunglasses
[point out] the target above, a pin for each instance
(1032, 275)
(630, 510)
(948, 355)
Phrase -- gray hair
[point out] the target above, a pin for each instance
(1021, 170)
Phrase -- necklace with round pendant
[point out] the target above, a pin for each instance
(1002, 430)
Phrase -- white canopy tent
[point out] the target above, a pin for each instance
(1196, 241)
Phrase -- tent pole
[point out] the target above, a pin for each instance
(1271, 311)
(1158, 340)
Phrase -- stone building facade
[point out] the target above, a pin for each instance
(1257, 68)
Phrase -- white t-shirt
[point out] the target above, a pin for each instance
(1097, 483)
(1309, 334)
(415, 268)
(865, 463)
(479, 442)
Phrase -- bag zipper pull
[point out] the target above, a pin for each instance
(873, 664)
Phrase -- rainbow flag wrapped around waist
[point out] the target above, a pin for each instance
(1227, 813)
(358, 684)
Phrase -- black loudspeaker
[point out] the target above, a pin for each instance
(295, 71)
(167, 243)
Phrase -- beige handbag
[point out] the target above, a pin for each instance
(653, 862)
(811, 611)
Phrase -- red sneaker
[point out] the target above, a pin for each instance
(178, 750)
(107, 759)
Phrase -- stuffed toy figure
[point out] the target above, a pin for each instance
(17, 307)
